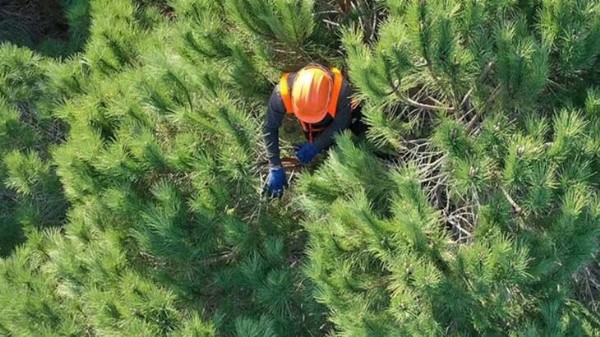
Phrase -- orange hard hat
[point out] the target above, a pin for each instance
(311, 92)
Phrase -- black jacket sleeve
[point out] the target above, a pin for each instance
(342, 120)
(274, 119)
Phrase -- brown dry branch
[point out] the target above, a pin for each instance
(479, 113)
(587, 285)
(427, 106)
(344, 5)
(460, 218)
(515, 206)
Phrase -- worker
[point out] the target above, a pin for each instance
(320, 98)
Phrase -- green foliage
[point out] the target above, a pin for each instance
(166, 227)
(68, 286)
(130, 194)
(30, 192)
(21, 75)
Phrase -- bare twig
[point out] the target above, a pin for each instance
(331, 23)
(440, 178)
(517, 208)
(466, 97)
(478, 114)
(427, 106)
(435, 100)
(458, 226)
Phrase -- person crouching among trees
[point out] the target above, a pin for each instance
(320, 98)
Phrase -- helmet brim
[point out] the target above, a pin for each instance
(311, 118)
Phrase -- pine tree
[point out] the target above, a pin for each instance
(132, 170)
(492, 204)
(166, 227)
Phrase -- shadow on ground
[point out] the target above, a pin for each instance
(55, 28)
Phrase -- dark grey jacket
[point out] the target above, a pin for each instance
(332, 126)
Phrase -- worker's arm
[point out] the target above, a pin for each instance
(342, 120)
(274, 119)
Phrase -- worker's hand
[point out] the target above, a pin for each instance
(276, 182)
(306, 152)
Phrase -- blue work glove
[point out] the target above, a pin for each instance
(306, 152)
(276, 182)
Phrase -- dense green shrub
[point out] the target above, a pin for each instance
(132, 170)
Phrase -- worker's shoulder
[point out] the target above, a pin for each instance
(286, 76)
